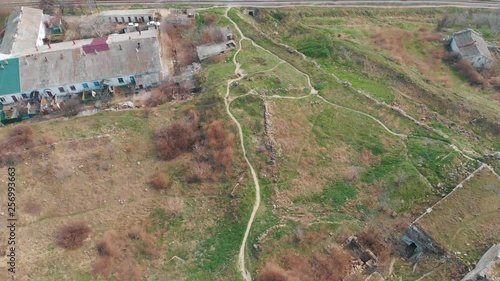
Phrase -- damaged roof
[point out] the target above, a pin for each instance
(470, 43)
(67, 63)
(9, 77)
(22, 29)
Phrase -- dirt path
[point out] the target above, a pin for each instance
(241, 256)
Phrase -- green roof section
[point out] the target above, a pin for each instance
(10, 81)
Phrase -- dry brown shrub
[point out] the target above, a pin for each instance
(159, 181)
(182, 40)
(332, 267)
(222, 143)
(211, 34)
(366, 157)
(494, 81)
(322, 267)
(20, 136)
(175, 206)
(103, 266)
(18, 140)
(179, 137)
(210, 18)
(129, 270)
(73, 235)
(372, 239)
(438, 53)
(136, 233)
(466, 69)
(161, 95)
(31, 206)
(392, 40)
(426, 35)
(110, 245)
(496, 96)
(273, 272)
(45, 140)
(216, 134)
(71, 107)
(197, 172)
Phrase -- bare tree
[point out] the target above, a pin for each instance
(47, 6)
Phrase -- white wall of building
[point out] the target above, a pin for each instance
(125, 80)
(146, 80)
(480, 62)
(41, 34)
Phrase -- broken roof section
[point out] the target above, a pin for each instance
(65, 63)
(471, 43)
(209, 50)
(97, 45)
(24, 28)
(9, 77)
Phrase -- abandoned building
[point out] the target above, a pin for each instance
(472, 47)
(209, 50)
(24, 28)
(180, 17)
(67, 68)
(227, 33)
(126, 16)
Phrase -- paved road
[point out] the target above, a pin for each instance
(267, 3)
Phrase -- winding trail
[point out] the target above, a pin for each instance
(227, 101)
(241, 256)
(364, 114)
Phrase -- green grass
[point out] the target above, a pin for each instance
(218, 74)
(334, 195)
(441, 165)
(315, 47)
(333, 127)
(386, 167)
(254, 59)
(219, 12)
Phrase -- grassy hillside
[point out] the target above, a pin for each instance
(356, 133)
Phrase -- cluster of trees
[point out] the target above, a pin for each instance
(211, 144)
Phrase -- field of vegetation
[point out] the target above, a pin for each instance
(353, 119)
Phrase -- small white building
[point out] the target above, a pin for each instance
(209, 50)
(24, 28)
(472, 47)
